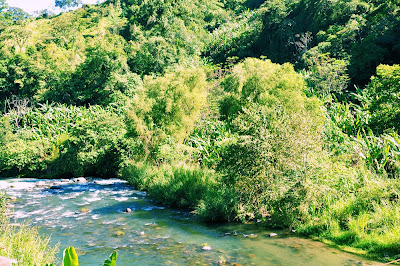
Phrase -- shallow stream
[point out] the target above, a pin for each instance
(91, 217)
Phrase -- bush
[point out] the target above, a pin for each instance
(279, 131)
(184, 186)
(167, 107)
(58, 140)
(381, 98)
(93, 148)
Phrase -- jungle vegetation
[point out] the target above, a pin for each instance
(285, 112)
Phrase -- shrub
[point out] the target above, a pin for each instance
(94, 147)
(279, 131)
(167, 106)
(381, 98)
(183, 186)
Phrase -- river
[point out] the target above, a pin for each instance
(92, 217)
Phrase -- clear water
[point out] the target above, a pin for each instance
(90, 216)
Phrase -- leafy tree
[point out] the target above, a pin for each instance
(327, 75)
(279, 131)
(18, 77)
(167, 106)
(3, 18)
(382, 99)
(102, 78)
(67, 3)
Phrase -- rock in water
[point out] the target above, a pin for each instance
(79, 180)
(206, 248)
(250, 236)
(119, 233)
(84, 210)
(128, 210)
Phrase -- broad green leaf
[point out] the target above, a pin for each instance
(112, 261)
(70, 258)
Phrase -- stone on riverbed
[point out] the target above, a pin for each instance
(206, 248)
(250, 235)
(119, 233)
(84, 210)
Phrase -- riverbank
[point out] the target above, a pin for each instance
(92, 216)
(355, 220)
(21, 242)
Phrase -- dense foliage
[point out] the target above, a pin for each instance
(277, 111)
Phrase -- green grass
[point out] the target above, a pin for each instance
(184, 186)
(23, 243)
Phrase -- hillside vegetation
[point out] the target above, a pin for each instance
(279, 111)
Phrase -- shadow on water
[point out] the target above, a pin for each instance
(91, 217)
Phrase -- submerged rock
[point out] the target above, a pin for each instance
(119, 233)
(84, 210)
(250, 235)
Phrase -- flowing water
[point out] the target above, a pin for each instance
(91, 217)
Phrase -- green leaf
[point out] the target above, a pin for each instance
(70, 258)
(112, 261)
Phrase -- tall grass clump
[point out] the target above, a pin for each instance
(184, 186)
(23, 243)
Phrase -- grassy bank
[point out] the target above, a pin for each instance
(23, 243)
(354, 210)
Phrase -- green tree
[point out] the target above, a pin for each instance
(103, 77)
(18, 77)
(382, 99)
(67, 3)
(167, 106)
(279, 131)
